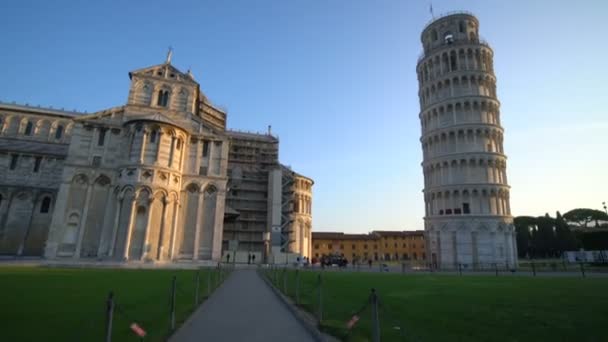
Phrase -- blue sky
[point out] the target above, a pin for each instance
(337, 82)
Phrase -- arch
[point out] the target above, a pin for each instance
(80, 179)
(192, 187)
(102, 180)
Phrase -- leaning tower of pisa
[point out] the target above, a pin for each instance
(468, 218)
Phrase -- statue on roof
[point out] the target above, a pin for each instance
(169, 54)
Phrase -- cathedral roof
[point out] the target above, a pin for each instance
(161, 118)
(165, 71)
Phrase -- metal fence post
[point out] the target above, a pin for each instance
(375, 317)
(209, 273)
(460, 269)
(285, 280)
(173, 287)
(583, 269)
(320, 299)
(109, 316)
(197, 285)
(297, 287)
(533, 269)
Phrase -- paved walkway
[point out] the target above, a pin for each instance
(242, 309)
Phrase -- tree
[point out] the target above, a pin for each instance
(544, 239)
(523, 226)
(565, 238)
(583, 216)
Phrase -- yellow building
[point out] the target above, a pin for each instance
(377, 245)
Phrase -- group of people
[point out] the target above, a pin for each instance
(250, 258)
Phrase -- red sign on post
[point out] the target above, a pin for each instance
(138, 330)
(350, 324)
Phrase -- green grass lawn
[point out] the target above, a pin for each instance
(49, 304)
(453, 308)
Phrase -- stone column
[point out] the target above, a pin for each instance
(145, 247)
(142, 152)
(199, 156)
(106, 224)
(174, 229)
(56, 229)
(130, 228)
(159, 139)
(161, 234)
(117, 212)
(29, 224)
(216, 246)
(83, 221)
(199, 224)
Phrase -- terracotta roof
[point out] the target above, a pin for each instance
(342, 236)
(398, 233)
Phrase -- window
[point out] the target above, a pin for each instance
(205, 148)
(405, 245)
(434, 35)
(365, 246)
(415, 256)
(341, 246)
(59, 132)
(102, 137)
(461, 26)
(330, 246)
(29, 128)
(465, 208)
(441, 212)
(386, 245)
(457, 211)
(453, 64)
(203, 171)
(153, 137)
(375, 246)
(353, 246)
(395, 245)
(448, 211)
(179, 144)
(14, 159)
(423, 255)
(163, 98)
(37, 162)
(45, 206)
(316, 246)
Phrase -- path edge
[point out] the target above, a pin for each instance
(312, 329)
(188, 321)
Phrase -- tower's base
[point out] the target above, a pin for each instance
(472, 242)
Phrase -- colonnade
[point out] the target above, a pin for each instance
(457, 112)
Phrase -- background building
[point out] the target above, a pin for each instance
(377, 245)
(157, 179)
(468, 217)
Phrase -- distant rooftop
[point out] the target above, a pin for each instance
(40, 110)
(251, 135)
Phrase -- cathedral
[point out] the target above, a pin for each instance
(159, 179)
